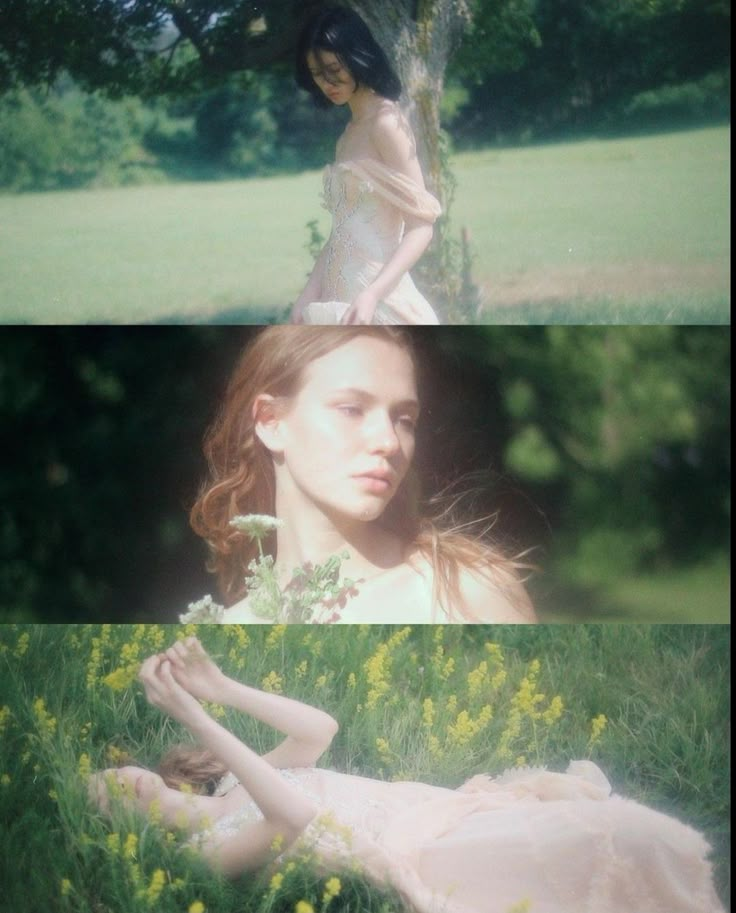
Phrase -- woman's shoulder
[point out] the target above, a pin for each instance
(492, 595)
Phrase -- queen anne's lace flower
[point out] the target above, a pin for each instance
(204, 611)
(256, 525)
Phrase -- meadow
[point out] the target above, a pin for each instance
(650, 704)
(624, 230)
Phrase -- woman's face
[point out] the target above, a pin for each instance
(137, 788)
(346, 440)
(331, 76)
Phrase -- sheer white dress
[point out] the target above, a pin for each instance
(369, 203)
(530, 839)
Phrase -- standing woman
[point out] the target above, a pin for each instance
(382, 214)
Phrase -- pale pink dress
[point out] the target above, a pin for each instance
(369, 203)
(559, 843)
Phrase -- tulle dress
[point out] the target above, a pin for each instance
(528, 840)
(369, 203)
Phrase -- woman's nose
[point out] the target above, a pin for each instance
(382, 436)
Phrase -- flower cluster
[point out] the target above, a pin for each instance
(314, 595)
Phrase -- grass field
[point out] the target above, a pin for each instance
(631, 230)
(662, 689)
(696, 594)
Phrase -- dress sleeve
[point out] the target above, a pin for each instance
(396, 188)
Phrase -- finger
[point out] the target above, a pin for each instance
(196, 649)
(148, 668)
(167, 676)
(177, 654)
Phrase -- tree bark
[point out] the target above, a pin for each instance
(419, 38)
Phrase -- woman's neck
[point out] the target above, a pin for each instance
(363, 104)
(310, 536)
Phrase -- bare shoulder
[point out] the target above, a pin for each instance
(492, 596)
(495, 596)
(393, 138)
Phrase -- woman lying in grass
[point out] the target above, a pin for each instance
(529, 839)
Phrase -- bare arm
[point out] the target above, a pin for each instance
(286, 812)
(308, 730)
(395, 145)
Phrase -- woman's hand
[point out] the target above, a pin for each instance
(363, 308)
(164, 692)
(194, 671)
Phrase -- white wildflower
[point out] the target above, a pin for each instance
(204, 611)
(256, 525)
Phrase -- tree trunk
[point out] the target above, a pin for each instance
(419, 38)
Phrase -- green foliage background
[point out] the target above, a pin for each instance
(607, 449)
(526, 70)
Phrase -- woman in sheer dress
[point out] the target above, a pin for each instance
(382, 213)
(547, 842)
(317, 429)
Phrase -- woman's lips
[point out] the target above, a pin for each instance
(375, 483)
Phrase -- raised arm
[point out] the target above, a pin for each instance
(286, 812)
(308, 730)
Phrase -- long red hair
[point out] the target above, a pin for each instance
(241, 475)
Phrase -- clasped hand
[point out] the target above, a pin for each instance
(176, 680)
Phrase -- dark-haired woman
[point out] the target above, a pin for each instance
(382, 213)
(528, 840)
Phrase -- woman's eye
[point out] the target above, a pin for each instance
(349, 409)
(406, 421)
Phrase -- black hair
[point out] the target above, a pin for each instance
(342, 31)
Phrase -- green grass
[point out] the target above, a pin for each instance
(662, 688)
(612, 231)
(695, 594)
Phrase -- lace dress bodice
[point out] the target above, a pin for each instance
(369, 203)
(559, 842)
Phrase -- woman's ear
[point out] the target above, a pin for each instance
(267, 415)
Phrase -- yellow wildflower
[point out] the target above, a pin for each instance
(158, 881)
(131, 846)
(65, 887)
(477, 678)
(4, 779)
(277, 634)
(303, 906)
(45, 722)
(273, 682)
(196, 907)
(84, 766)
(5, 715)
(597, 725)
(276, 881)
(332, 887)
(428, 712)
(554, 711)
(113, 842)
(352, 681)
